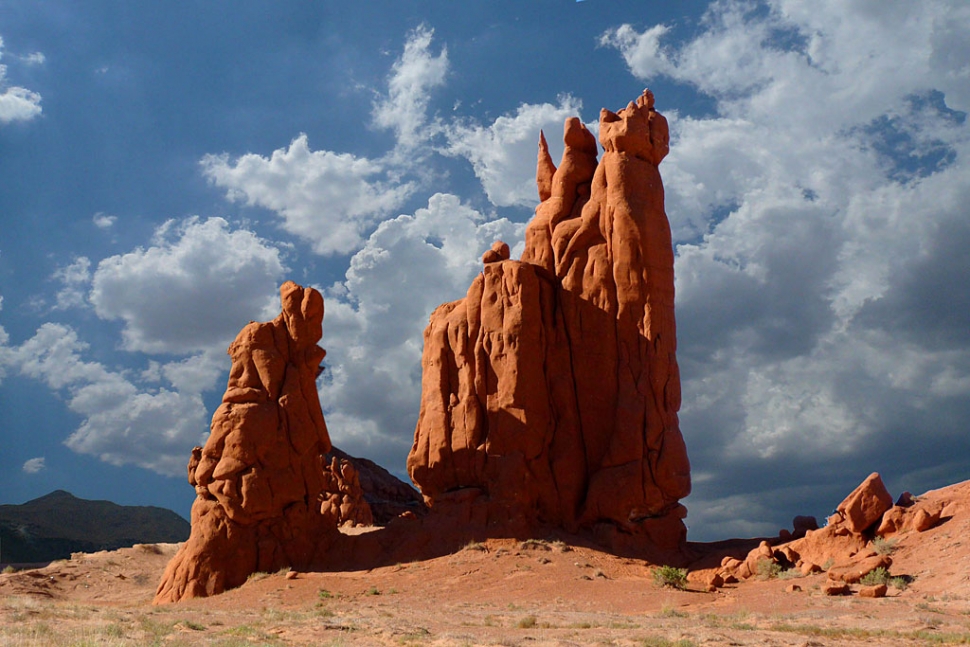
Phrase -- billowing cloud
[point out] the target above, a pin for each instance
(74, 279)
(503, 153)
(34, 465)
(190, 290)
(122, 423)
(328, 199)
(404, 108)
(16, 103)
(820, 217)
(375, 318)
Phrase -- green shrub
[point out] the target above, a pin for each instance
(884, 546)
(670, 576)
(765, 569)
(876, 576)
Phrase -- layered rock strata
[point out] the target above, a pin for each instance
(261, 479)
(550, 392)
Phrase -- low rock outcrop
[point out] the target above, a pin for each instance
(550, 392)
(260, 479)
(845, 547)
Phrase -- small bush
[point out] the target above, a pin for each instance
(475, 545)
(765, 569)
(899, 583)
(9, 569)
(884, 546)
(373, 591)
(535, 544)
(527, 622)
(874, 577)
(670, 576)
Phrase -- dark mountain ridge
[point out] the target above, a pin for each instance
(58, 524)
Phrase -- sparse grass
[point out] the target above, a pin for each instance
(373, 591)
(653, 641)
(670, 577)
(324, 594)
(528, 622)
(884, 546)
(670, 612)
(790, 574)
(875, 577)
(258, 575)
(900, 583)
(535, 544)
(765, 569)
(475, 545)
(561, 546)
(923, 636)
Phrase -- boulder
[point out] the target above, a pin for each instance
(259, 480)
(918, 516)
(856, 569)
(866, 504)
(874, 591)
(835, 588)
(552, 389)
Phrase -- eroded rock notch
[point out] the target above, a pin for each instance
(550, 392)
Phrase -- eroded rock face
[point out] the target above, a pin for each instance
(552, 388)
(260, 477)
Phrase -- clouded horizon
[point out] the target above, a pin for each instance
(162, 175)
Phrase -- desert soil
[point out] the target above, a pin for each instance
(499, 592)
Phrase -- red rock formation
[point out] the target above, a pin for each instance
(260, 478)
(866, 504)
(344, 500)
(387, 496)
(552, 388)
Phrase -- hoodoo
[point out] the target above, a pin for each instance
(265, 497)
(550, 392)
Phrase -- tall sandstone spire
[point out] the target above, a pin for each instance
(550, 392)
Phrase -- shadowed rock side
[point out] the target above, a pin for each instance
(550, 392)
(261, 478)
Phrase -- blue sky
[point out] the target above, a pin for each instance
(163, 167)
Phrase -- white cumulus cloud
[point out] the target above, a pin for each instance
(16, 103)
(34, 465)
(122, 422)
(328, 199)
(404, 108)
(821, 218)
(190, 290)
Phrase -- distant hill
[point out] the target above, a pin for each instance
(58, 524)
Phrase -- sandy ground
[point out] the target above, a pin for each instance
(500, 592)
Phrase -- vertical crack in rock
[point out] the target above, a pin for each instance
(562, 407)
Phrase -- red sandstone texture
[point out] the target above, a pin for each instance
(550, 392)
(846, 548)
(260, 479)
